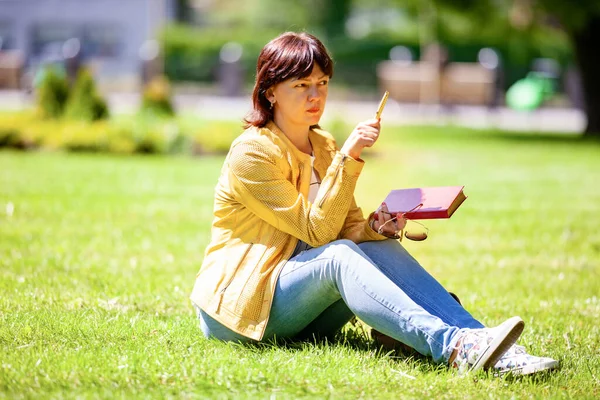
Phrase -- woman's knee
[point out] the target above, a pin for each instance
(345, 249)
(348, 255)
(346, 245)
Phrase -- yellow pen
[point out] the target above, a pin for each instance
(382, 104)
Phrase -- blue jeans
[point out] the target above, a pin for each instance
(321, 289)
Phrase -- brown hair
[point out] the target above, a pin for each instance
(290, 55)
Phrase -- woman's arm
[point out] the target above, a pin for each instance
(259, 184)
(357, 228)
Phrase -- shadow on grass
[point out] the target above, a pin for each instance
(352, 336)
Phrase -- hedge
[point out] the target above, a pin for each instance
(192, 54)
(142, 133)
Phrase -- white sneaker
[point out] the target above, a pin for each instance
(482, 348)
(516, 361)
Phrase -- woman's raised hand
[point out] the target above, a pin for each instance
(365, 134)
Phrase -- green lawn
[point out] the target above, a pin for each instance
(98, 254)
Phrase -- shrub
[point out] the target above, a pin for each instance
(83, 136)
(120, 140)
(154, 134)
(156, 98)
(12, 128)
(142, 133)
(84, 103)
(192, 54)
(52, 92)
(215, 136)
(40, 133)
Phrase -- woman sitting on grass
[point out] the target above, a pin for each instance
(291, 254)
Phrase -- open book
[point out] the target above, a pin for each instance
(427, 202)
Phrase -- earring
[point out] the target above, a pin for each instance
(271, 107)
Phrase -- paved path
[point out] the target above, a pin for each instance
(228, 108)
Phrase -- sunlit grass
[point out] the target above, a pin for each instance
(98, 254)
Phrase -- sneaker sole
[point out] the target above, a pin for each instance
(508, 333)
(532, 368)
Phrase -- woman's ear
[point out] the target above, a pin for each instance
(270, 95)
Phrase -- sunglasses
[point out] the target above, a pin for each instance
(413, 230)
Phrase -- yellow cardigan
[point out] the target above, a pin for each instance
(260, 212)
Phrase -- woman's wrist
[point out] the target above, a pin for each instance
(350, 151)
(378, 230)
(372, 224)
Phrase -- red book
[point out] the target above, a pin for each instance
(426, 202)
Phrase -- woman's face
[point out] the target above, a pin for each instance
(300, 101)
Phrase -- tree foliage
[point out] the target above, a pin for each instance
(516, 21)
(325, 18)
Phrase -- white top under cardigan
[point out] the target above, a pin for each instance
(315, 184)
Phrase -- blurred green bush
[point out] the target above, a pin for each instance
(84, 103)
(55, 99)
(52, 92)
(141, 133)
(193, 54)
(156, 97)
(77, 119)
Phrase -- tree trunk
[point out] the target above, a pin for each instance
(586, 42)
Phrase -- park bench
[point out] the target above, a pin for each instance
(424, 82)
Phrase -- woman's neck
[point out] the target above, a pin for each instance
(296, 134)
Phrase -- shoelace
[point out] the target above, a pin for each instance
(474, 335)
